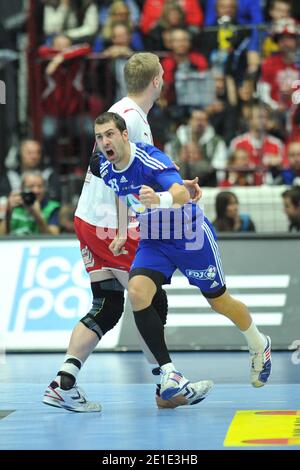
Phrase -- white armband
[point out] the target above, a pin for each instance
(166, 200)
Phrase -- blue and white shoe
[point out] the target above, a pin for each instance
(71, 400)
(196, 392)
(171, 383)
(192, 394)
(261, 365)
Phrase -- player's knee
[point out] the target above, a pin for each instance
(105, 312)
(135, 293)
(138, 296)
(223, 304)
(218, 304)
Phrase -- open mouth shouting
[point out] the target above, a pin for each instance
(110, 154)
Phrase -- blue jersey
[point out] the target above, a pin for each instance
(151, 167)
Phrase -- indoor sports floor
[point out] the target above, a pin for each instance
(130, 420)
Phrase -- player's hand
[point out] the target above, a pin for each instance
(117, 246)
(148, 197)
(194, 189)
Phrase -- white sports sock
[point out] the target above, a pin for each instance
(69, 368)
(256, 341)
(169, 367)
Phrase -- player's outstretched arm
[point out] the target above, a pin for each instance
(176, 195)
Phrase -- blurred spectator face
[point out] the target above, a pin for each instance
(120, 35)
(35, 184)
(198, 121)
(173, 17)
(293, 212)
(294, 155)
(226, 8)
(239, 163)
(287, 43)
(219, 84)
(120, 12)
(246, 90)
(232, 208)
(180, 42)
(60, 43)
(239, 159)
(191, 152)
(30, 154)
(258, 119)
(280, 10)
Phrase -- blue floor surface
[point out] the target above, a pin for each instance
(130, 419)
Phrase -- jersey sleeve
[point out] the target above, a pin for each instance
(163, 171)
(166, 178)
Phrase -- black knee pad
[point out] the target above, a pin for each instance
(160, 303)
(106, 309)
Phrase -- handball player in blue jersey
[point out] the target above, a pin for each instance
(174, 235)
(95, 223)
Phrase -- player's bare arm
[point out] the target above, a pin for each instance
(176, 195)
(117, 246)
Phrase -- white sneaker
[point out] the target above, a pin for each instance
(171, 384)
(192, 394)
(261, 365)
(72, 400)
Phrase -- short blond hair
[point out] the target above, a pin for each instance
(140, 70)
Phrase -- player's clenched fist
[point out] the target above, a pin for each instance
(117, 246)
(148, 197)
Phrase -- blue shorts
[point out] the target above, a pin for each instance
(202, 267)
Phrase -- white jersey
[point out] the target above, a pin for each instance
(136, 120)
(97, 204)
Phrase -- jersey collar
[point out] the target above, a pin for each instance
(131, 159)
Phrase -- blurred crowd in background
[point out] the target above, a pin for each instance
(229, 110)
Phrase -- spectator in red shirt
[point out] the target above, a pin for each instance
(279, 71)
(158, 37)
(179, 67)
(152, 11)
(266, 151)
(239, 171)
(63, 97)
(291, 174)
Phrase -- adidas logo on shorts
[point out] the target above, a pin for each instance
(214, 284)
